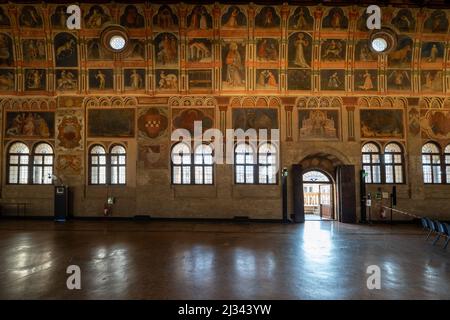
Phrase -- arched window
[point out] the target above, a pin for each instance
(244, 164)
(118, 156)
(181, 163)
(97, 163)
(18, 163)
(267, 164)
(447, 163)
(371, 162)
(393, 163)
(431, 163)
(203, 164)
(43, 164)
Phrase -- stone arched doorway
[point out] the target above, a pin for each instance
(318, 195)
(342, 181)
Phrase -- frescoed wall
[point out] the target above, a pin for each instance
(305, 70)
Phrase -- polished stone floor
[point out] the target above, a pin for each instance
(185, 260)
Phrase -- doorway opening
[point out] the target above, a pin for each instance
(318, 196)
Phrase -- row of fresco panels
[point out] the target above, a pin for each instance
(153, 124)
(167, 80)
(231, 17)
(201, 50)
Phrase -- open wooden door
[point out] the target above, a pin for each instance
(346, 194)
(298, 201)
(326, 201)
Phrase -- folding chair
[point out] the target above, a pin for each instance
(444, 231)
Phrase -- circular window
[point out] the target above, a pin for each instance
(117, 42)
(379, 44)
(115, 38)
(383, 40)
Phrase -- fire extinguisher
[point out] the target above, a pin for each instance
(106, 209)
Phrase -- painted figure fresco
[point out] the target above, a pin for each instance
(154, 156)
(399, 79)
(96, 51)
(30, 124)
(200, 79)
(6, 51)
(153, 123)
(167, 79)
(165, 19)
(131, 18)
(437, 22)
(59, 17)
(35, 79)
(136, 50)
(7, 79)
(267, 18)
(134, 79)
(199, 19)
(414, 121)
(67, 79)
(96, 17)
(4, 19)
(255, 118)
(199, 50)
(432, 52)
(435, 124)
(233, 65)
(69, 132)
(34, 50)
(332, 79)
(300, 50)
(301, 19)
(299, 79)
(166, 49)
(333, 50)
(402, 55)
(431, 80)
(365, 80)
(30, 17)
(384, 123)
(361, 23)
(404, 21)
(66, 52)
(363, 52)
(234, 18)
(267, 79)
(111, 122)
(69, 164)
(318, 124)
(335, 19)
(101, 79)
(267, 49)
(185, 118)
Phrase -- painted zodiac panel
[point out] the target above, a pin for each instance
(332, 79)
(437, 22)
(166, 50)
(67, 79)
(96, 17)
(299, 79)
(335, 19)
(34, 50)
(132, 18)
(66, 52)
(366, 80)
(234, 18)
(267, 18)
(199, 18)
(301, 19)
(101, 79)
(30, 17)
(7, 79)
(333, 50)
(267, 49)
(134, 79)
(35, 79)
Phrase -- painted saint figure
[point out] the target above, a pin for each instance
(135, 80)
(101, 79)
(333, 81)
(367, 81)
(300, 43)
(234, 66)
